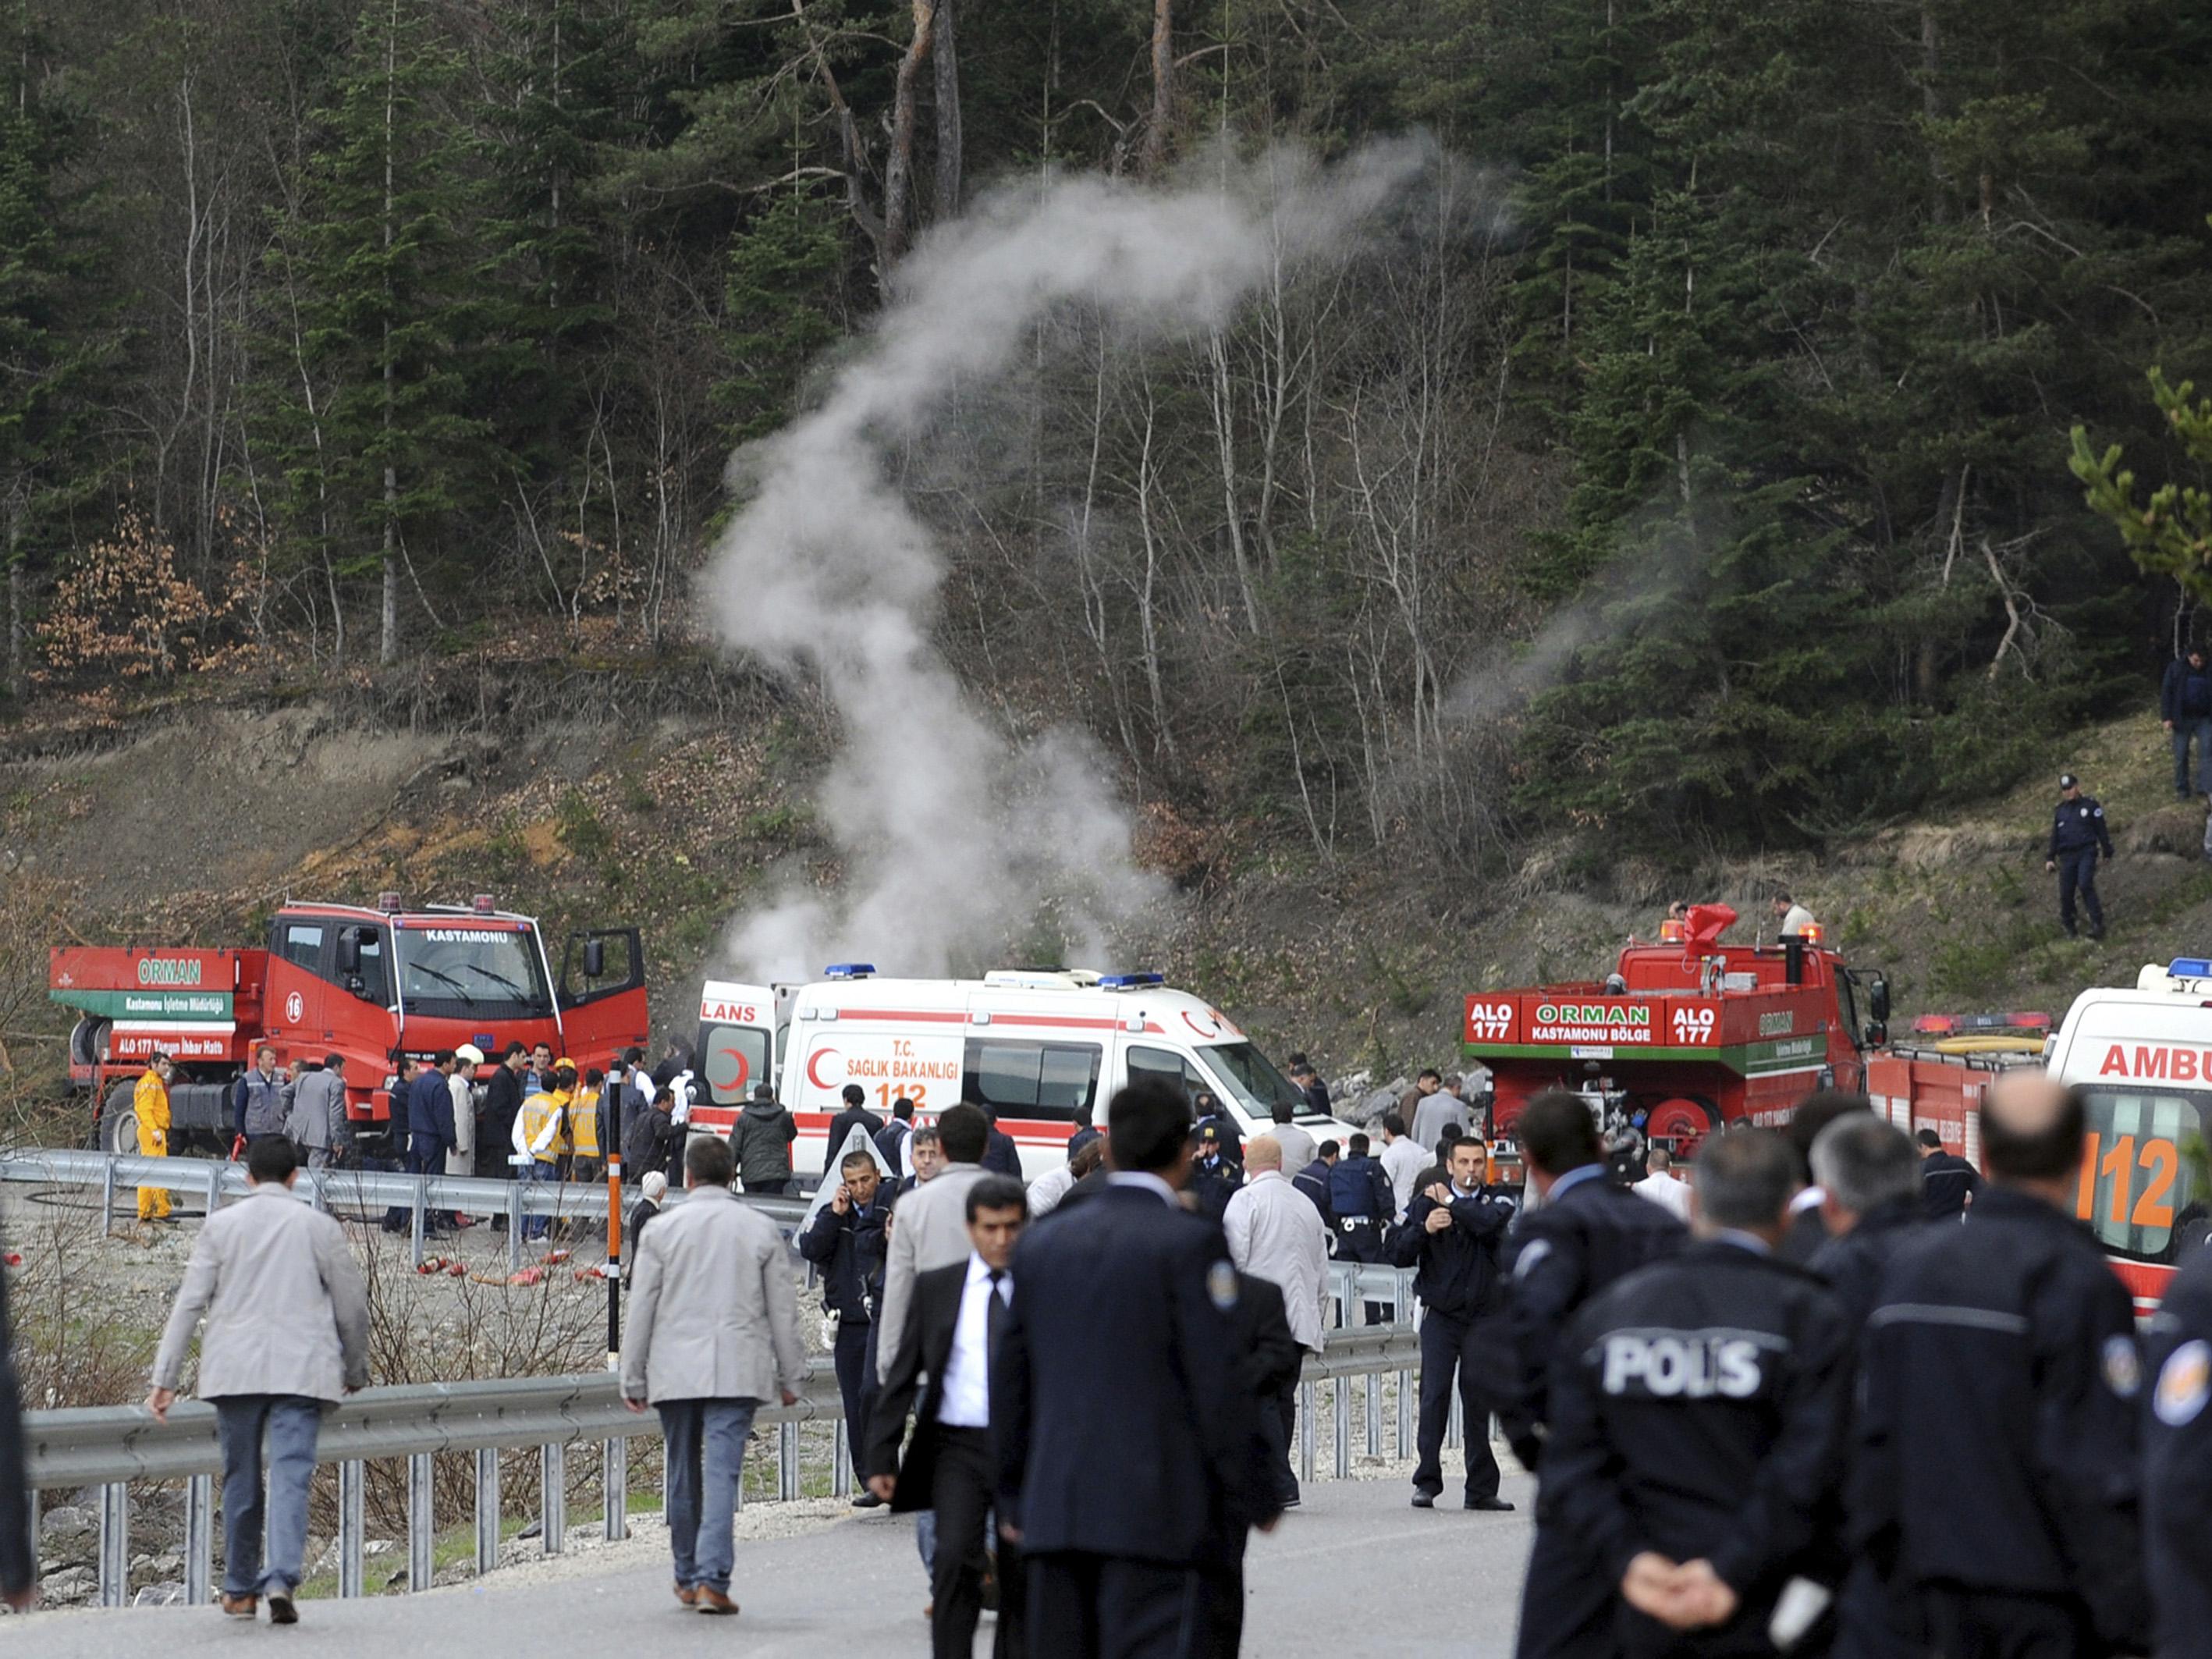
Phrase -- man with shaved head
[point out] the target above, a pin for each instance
(1996, 1474)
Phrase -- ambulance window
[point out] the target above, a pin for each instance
(1164, 1064)
(2138, 1192)
(732, 1058)
(1033, 1080)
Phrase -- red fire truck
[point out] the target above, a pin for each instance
(1691, 1034)
(370, 983)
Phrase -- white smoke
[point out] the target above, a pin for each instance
(956, 840)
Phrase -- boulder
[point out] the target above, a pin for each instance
(170, 1593)
(65, 1523)
(68, 1587)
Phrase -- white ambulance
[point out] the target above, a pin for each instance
(1038, 1047)
(2143, 1056)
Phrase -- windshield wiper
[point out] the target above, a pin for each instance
(520, 995)
(446, 979)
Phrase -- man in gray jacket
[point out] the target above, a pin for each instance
(287, 1334)
(714, 1332)
(317, 1126)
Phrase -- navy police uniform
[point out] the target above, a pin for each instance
(1460, 1285)
(1360, 1206)
(1874, 1616)
(1697, 1409)
(1124, 1492)
(2177, 1493)
(1995, 1471)
(2077, 833)
(849, 1250)
(1588, 1234)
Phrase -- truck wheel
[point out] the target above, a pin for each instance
(86, 1038)
(1682, 1122)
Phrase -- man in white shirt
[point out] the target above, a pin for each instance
(1403, 1160)
(952, 1330)
(1275, 1233)
(1663, 1187)
(1792, 917)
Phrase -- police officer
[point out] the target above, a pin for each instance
(1362, 1204)
(1211, 1115)
(1995, 1471)
(1869, 1175)
(1214, 1178)
(2178, 1463)
(1697, 1416)
(1452, 1231)
(1586, 1234)
(2077, 832)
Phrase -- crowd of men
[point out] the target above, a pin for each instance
(1866, 1401)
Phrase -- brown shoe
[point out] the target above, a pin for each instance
(708, 1599)
(688, 1595)
(240, 1607)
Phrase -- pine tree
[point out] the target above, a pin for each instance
(392, 323)
(56, 333)
(782, 303)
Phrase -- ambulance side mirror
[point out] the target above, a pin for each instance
(1878, 1000)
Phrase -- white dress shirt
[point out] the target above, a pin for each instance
(1669, 1194)
(1403, 1161)
(964, 1402)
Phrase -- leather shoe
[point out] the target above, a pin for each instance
(687, 1595)
(1491, 1505)
(710, 1600)
(1425, 1500)
(281, 1610)
(240, 1607)
(868, 1500)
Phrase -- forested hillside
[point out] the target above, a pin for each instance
(1682, 466)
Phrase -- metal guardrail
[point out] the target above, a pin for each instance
(216, 1180)
(109, 1447)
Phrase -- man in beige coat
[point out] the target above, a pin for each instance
(713, 1331)
(929, 1226)
(287, 1335)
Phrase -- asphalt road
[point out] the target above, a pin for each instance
(1355, 1569)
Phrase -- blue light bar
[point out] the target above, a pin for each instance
(1130, 982)
(848, 970)
(2190, 968)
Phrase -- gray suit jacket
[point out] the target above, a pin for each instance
(286, 1309)
(319, 1113)
(714, 1314)
(929, 1229)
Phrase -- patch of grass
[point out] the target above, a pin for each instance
(581, 829)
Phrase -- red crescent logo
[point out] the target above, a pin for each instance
(1208, 1030)
(730, 1085)
(814, 1076)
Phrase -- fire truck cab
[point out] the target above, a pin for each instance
(371, 983)
(1037, 1046)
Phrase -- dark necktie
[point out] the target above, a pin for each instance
(995, 1315)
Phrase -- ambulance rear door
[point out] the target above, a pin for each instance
(736, 1049)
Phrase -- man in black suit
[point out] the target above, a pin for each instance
(952, 1324)
(856, 1115)
(1130, 1286)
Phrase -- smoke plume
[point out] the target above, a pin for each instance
(958, 841)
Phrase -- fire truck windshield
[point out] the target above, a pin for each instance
(1251, 1078)
(461, 972)
(2143, 1188)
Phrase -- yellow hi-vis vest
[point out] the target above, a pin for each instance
(584, 1123)
(538, 1128)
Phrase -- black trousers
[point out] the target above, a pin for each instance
(1567, 1601)
(1449, 1345)
(1360, 1239)
(1968, 1624)
(770, 1189)
(1279, 1423)
(1111, 1607)
(961, 1487)
(2077, 873)
(855, 1378)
